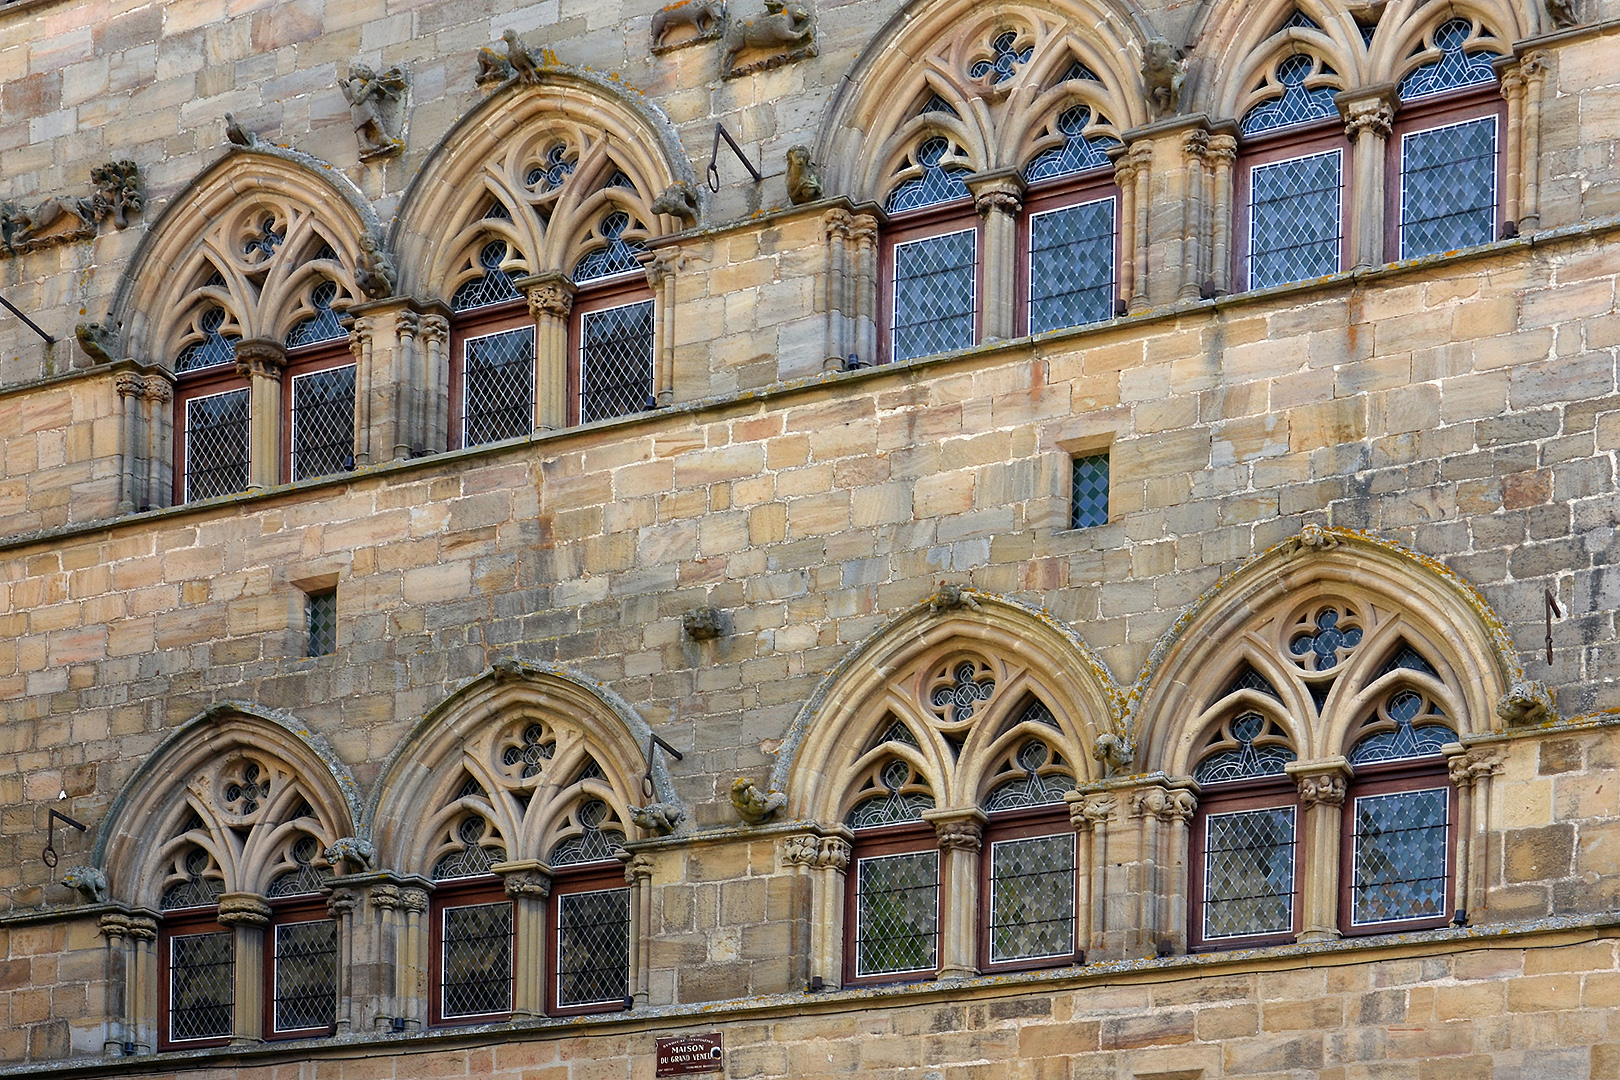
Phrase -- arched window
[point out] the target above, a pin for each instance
(931, 284)
(588, 924)
(893, 920)
(493, 378)
(612, 328)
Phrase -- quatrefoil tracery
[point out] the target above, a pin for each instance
(958, 689)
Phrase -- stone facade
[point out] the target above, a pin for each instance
(786, 554)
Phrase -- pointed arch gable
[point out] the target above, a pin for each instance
(147, 818)
(828, 742)
(928, 48)
(1176, 695)
(470, 733)
(488, 156)
(166, 275)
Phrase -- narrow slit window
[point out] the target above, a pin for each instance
(1089, 492)
(320, 610)
(616, 361)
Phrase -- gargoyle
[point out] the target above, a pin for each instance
(99, 342)
(680, 201)
(88, 881)
(951, 597)
(786, 26)
(1114, 751)
(1164, 69)
(1527, 702)
(353, 854)
(803, 178)
(753, 805)
(1563, 13)
(658, 818)
(375, 274)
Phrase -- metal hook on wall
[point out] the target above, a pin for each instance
(49, 854)
(720, 132)
(35, 326)
(1552, 610)
(653, 740)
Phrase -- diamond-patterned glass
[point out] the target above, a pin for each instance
(534, 751)
(616, 361)
(322, 422)
(216, 444)
(202, 985)
(550, 176)
(1448, 187)
(324, 325)
(937, 184)
(1077, 70)
(1294, 219)
(499, 387)
(594, 843)
(934, 294)
(1077, 154)
(897, 913)
(962, 695)
(1088, 491)
(1250, 679)
(266, 241)
(214, 348)
(305, 975)
(306, 879)
(1032, 898)
(198, 890)
(618, 256)
(892, 808)
(1297, 105)
(477, 960)
(321, 608)
(1400, 856)
(593, 947)
(1409, 659)
(1407, 740)
(493, 286)
(1248, 761)
(1249, 873)
(1454, 70)
(1071, 266)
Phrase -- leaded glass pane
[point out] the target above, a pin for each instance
(198, 890)
(1005, 56)
(1409, 659)
(324, 325)
(1294, 219)
(937, 184)
(215, 348)
(306, 975)
(593, 947)
(1031, 790)
(322, 611)
(1297, 105)
(477, 960)
(1077, 154)
(1323, 645)
(202, 985)
(1400, 856)
(1406, 741)
(1088, 491)
(1454, 70)
(1071, 266)
(618, 256)
(616, 361)
(499, 387)
(1448, 187)
(1247, 761)
(1032, 898)
(594, 843)
(323, 422)
(897, 913)
(305, 879)
(493, 286)
(934, 294)
(1250, 679)
(891, 808)
(1249, 873)
(216, 444)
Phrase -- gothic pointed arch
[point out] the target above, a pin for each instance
(526, 762)
(956, 696)
(536, 169)
(1317, 637)
(259, 244)
(235, 800)
(1411, 36)
(987, 80)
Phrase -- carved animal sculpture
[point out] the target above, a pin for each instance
(753, 805)
(98, 342)
(679, 200)
(27, 223)
(702, 16)
(88, 881)
(1164, 70)
(657, 818)
(237, 134)
(803, 178)
(1564, 13)
(375, 274)
(521, 59)
(786, 23)
(358, 855)
(1114, 752)
(1526, 702)
(951, 597)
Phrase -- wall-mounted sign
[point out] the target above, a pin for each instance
(679, 1055)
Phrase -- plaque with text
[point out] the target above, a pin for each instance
(680, 1055)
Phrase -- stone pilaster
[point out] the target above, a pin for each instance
(1134, 833)
(999, 199)
(961, 839)
(247, 915)
(638, 872)
(1369, 115)
(1221, 155)
(820, 860)
(528, 883)
(662, 269)
(1471, 770)
(262, 363)
(155, 484)
(1322, 785)
(551, 303)
(131, 973)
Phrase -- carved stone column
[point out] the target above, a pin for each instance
(1368, 118)
(156, 487)
(661, 271)
(1471, 770)
(1125, 180)
(1166, 810)
(1141, 158)
(1194, 145)
(248, 915)
(1221, 156)
(432, 342)
(341, 905)
(384, 973)
(262, 362)
(1137, 854)
(1524, 154)
(1322, 786)
(837, 297)
(131, 975)
(999, 199)
(551, 301)
(820, 863)
(1088, 814)
(401, 970)
(131, 388)
(638, 870)
(961, 837)
(528, 883)
(863, 234)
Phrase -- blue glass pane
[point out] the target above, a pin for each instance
(1399, 869)
(1297, 105)
(933, 294)
(937, 104)
(1300, 21)
(1004, 59)
(1077, 154)
(1454, 70)
(1448, 188)
(493, 287)
(1294, 219)
(1071, 266)
(214, 348)
(1089, 491)
(1077, 70)
(937, 184)
(550, 176)
(324, 325)
(617, 257)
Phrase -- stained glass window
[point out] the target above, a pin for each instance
(1399, 863)
(1249, 873)
(1295, 219)
(1034, 788)
(1088, 491)
(216, 444)
(616, 361)
(593, 843)
(593, 947)
(1409, 659)
(493, 286)
(475, 857)
(1448, 187)
(550, 176)
(894, 806)
(477, 959)
(498, 390)
(305, 992)
(534, 749)
(1328, 643)
(198, 889)
(215, 348)
(1408, 740)
(1032, 898)
(324, 325)
(1455, 70)
(616, 256)
(323, 422)
(1250, 679)
(1078, 152)
(934, 301)
(939, 183)
(1071, 266)
(1005, 56)
(1297, 104)
(897, 913)
(1259, 752)
(306, 878)
(202, 985)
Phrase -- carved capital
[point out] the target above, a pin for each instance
(1195, 143)
(801, 849)
(863, 228)
(259, 358)
(527, 880)
(413, 900)
(1535, 65)
(142, 928)
(1089, 811)
(386, 897)
(997, 201)
(834, 853)
(434, 328)
(836, 223)
(407, 324)
(550, 297)
(115, 926)
(243, 909)
(1222, 150)
(157, 388)
(959, 835)
(665, 262)
(638, 868)
(361, 336)
(129, 384)
(1472, 765)
(341, 902)
(1326, 788)
(1377, 119)
(1167, 804)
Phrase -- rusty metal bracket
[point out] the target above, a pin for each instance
(1552, 609)
(653, 741)
(720, 132)
(49, 854)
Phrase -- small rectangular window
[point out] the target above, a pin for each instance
(321, 611)
(1399, 864)
(1032, 898)
(1448, 187)
(323, 422)
(615, 361)
(1071, 266)
(202, 985)
(216, 444)
(593, 947)
(305, 959)
(498, 387)
(1089, 492)
(1248, 873)
(1295, 219)
(476, 951)
(934, 302)
(897, 913)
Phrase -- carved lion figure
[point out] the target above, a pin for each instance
(679, 200)
(702, 16)
(786, 23)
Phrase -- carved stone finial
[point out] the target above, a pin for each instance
(704, 624)
(374, 108)
(687, 22)
(238, 135)
(375, 273)
(753, 805)
(89, 882)
(679, 201)
(658, 818)
(951, 598)
(1114, 751)
(1526, 703)
(785, 33)
(99, 342)
(803, 176)
(1563, 13)
(352, 854)
(1164, 69)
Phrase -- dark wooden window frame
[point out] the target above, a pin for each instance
(463, 892)
(475, 323)
(309, 360)
(1056, 194)
(958, 215)
(1022, 825)
(1473, 103)
(205, 382)
(180, 924)
(1258, 794)
(1286, 144)
(619, 290)
(873, 843)
(1418, 774)
(592, 877)
(294, 909)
